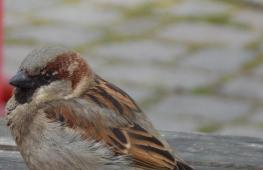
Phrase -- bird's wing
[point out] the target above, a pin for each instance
(103, 116)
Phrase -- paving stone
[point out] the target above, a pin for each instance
(206, 33)
(189, 79)
(27, 6)
(14, 54)
(222, 60)
(242, 131)
(152, 76)
(202, 108)
(249, 17)
(65, 35)
(81, 15)
(199, 8)
(12, 21)
(258, 71)
(139, 94)
(140, 51)
(137, 26)
(126, 3)
(171, 123)
(249, 87)
(257, 116)
(4, 131)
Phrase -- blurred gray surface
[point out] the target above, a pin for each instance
(192, 65)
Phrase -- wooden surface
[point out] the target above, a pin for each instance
(204, 152)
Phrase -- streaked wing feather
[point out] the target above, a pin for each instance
(130, 138)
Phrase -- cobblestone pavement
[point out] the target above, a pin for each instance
(192, 65)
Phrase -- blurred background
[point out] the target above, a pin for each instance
(192, 65)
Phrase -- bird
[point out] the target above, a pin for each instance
(63, 116)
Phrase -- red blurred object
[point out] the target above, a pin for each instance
(3, 86)
(7, 91)
(5, 94)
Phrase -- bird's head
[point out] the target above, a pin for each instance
(51, 73)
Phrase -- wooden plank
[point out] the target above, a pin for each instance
(11, 160)
(204, 152)
(4, 131)
(218, 152)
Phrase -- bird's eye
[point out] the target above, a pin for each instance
(48, 76)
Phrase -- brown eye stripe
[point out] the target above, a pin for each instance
(64, 70)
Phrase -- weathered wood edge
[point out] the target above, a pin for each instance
(218, 151)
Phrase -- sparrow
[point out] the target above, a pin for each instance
(63, 116)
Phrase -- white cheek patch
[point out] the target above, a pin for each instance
(40, 95)
(45, 93)
(52, 91)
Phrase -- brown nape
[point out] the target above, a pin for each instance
(69, 66)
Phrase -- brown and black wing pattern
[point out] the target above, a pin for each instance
(94, 116)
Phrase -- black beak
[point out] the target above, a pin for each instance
(22, 80)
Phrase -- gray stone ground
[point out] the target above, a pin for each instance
(192, 65)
